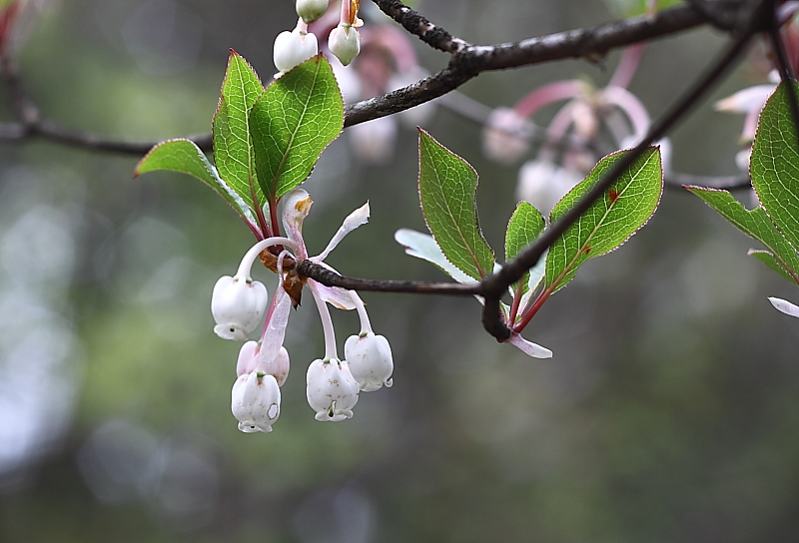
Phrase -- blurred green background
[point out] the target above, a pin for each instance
(669, 412)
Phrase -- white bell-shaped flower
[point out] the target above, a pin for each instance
(370, 361)
(237, 304)
(293, 48)
(344, 42)
(332, 391)
(256, 402)
(505, 136)
(311, 10)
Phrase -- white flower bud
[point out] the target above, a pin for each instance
(505, 136)
(238, 305)
(256, 402)
(370, 361)
(311, 10)
(332, 391)
(344, 42)
(293, 48)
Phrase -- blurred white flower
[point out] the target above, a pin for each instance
(348, 82)
(749, 102)
(505, 136)
(374, 141)
(543, 183)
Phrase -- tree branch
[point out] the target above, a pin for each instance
(466, 62)
(494, 286)
(306, 268)
(433, 35)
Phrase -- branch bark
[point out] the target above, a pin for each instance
(494, 286)
(466, 62)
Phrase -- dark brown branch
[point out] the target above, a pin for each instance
(319, 273)
(494, 286)
(418, 25)
(473, 60)
(467, 61)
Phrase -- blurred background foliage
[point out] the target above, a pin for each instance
(669, 412)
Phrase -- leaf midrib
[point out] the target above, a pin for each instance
(568, 267)
(285, 155)
(469, 250)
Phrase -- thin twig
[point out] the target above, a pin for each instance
(306, 268)
(433, 35)
(467, 61)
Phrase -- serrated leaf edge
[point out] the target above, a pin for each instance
(419, 190)
(653, 150)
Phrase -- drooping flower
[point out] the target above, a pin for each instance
(370, 360)
(237, 304)
(332, 391)
(256, 402)
(295, 47)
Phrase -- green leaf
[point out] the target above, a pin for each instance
(775, 164)
(297, 117)
(627, 206)
(183, 156)
(232, 145)
(755, 223)
(524, 227)
(447, 189)
(772, 262)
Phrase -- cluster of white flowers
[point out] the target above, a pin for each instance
(296, 46)
(240, 305)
